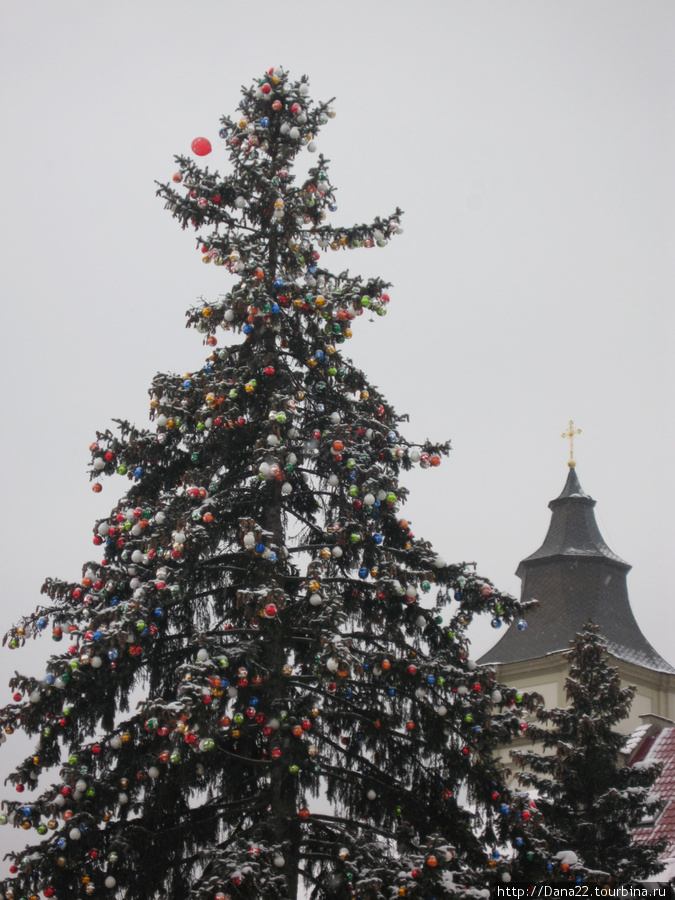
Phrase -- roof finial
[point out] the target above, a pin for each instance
(569, 434)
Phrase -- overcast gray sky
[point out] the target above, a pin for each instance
(530, 145)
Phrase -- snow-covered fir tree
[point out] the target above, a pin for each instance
(265, 689)
(589, 803)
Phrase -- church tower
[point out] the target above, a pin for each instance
(575, 576)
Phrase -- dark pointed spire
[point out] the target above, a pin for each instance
(573, 530)
(575, 576)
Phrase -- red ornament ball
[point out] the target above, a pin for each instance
(270, 610)
(201, 146)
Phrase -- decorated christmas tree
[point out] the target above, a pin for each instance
(589, 802)
(265, 689)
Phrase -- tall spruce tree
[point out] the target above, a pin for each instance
(589, 803)
(267, 690)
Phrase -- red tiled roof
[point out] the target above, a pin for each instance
(661, 750)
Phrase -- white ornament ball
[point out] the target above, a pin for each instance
(203, 655)
(153, 772)
(74, 834)
(372, 795)
(336, 552)
(279, 862)
(110, 882)
(287, 488)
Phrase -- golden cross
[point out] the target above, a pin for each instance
(569, 434)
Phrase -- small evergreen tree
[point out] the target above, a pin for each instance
(267, 682)
(590, 803)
